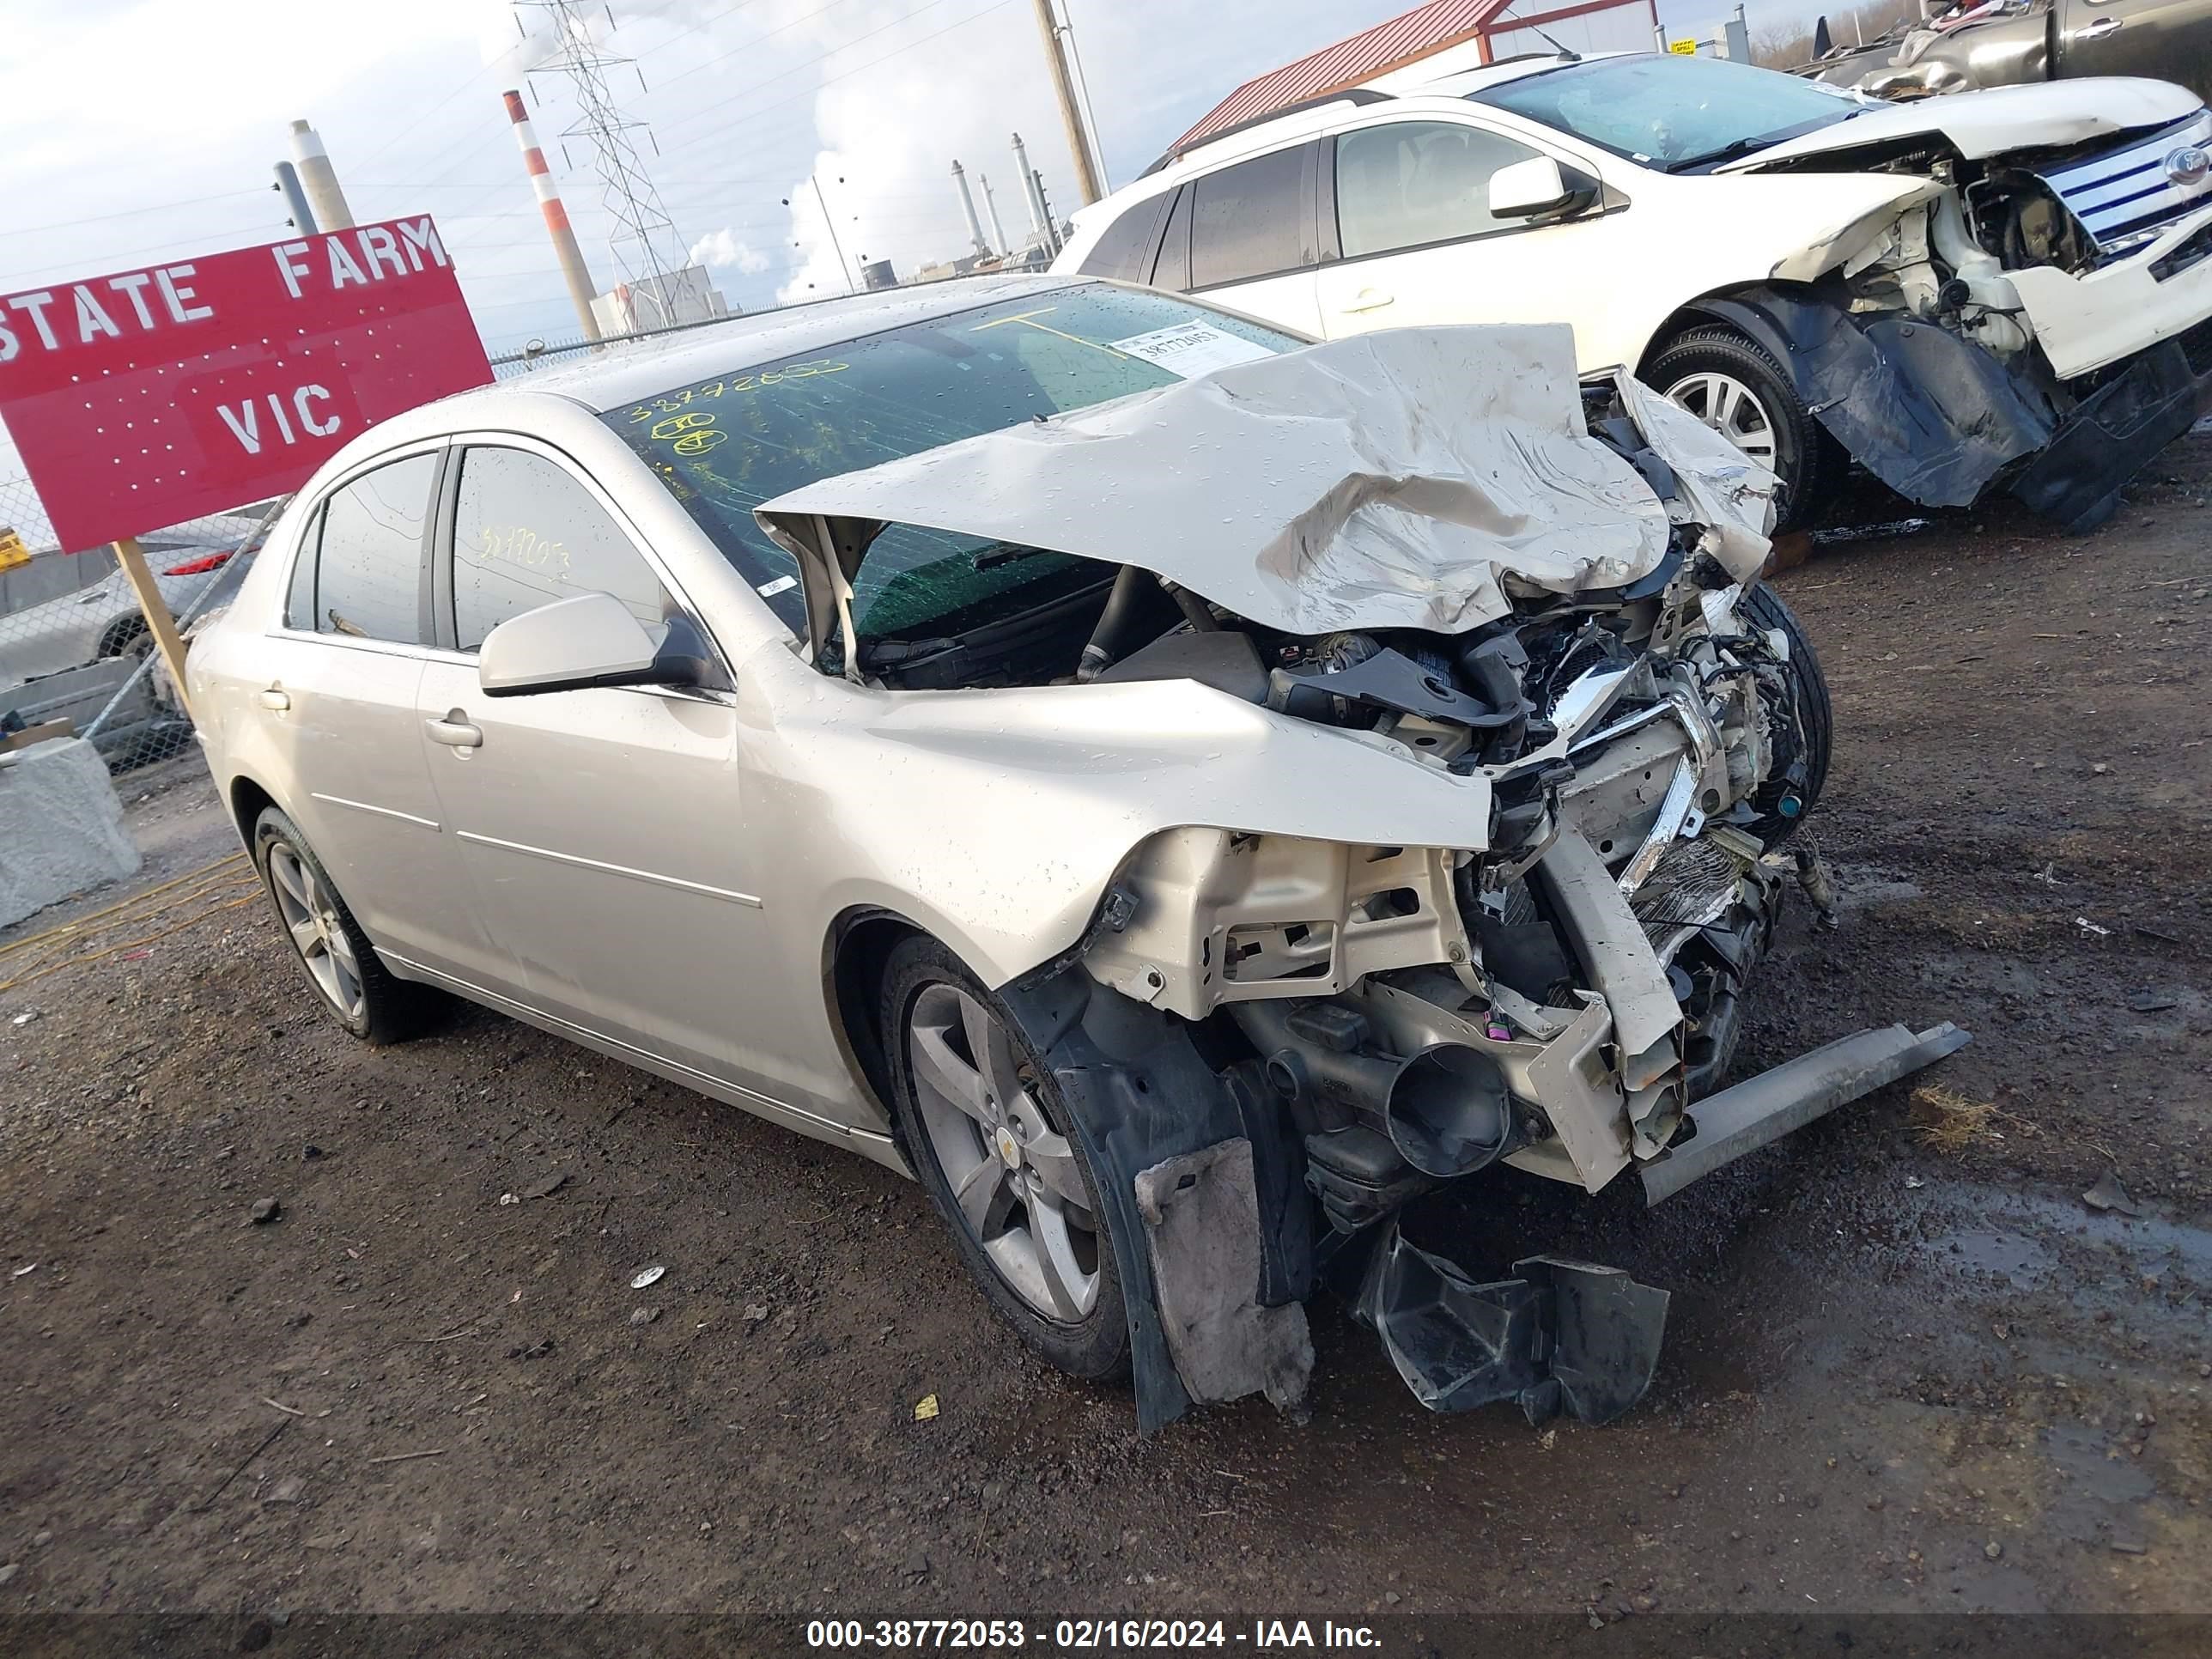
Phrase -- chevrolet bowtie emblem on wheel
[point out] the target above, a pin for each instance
(2188, 165)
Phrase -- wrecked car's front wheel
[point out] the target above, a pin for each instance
(981, 1124)
(1734, 387)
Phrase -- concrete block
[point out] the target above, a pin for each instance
(61, 827)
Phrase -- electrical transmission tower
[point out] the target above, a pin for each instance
(645, 244)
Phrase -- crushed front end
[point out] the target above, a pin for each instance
(2039, 320)
(1532, 600)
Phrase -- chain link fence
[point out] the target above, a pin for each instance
(76, 654)
(546, 354)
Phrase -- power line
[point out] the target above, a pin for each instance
(151, 247)
(133, 213)
(783, 28)
(904, 17)
(645, 244)
(829, 80)
(483, 69)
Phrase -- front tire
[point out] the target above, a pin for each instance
(980, 1120)
(349, 979)
(1734, 387)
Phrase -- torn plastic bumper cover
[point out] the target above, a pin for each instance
(1559, 1336)
(1938, 418)
(1212, 1227)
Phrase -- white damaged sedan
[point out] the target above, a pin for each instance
(1183, 793)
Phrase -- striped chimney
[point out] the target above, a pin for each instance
(556, 216)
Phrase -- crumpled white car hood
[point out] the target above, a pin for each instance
(1389, 480)
(1996, 120)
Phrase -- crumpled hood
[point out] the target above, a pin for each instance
(1390, 480)
(1996, 120)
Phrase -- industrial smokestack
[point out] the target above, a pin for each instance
(1027, 175)
(968, 207)
(556, 216)
(295, 199)
(324, 199)
(998, 244)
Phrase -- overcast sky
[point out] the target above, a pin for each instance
(133, 130)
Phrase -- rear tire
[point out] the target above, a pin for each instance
(1736, 387)
(350, 979)
(1764, 609)
(990, 1139)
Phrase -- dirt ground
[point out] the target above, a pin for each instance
(1902, 1376)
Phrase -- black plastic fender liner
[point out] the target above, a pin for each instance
(2108, 436)
(1934, 416)
(1560, 1336)
(1201, 1219)
(1139, 1094)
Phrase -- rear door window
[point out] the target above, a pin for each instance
(360, 574)
(525, 533)
(1250, 220)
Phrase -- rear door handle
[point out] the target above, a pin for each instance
(455, 731)
(2103, 26)
(1371, 299)
(277, 698)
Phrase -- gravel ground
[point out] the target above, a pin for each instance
(1903, 1374)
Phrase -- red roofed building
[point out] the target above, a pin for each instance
(1440, 38)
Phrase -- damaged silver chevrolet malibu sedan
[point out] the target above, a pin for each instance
(1181, 791)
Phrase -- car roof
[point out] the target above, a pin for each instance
(1264, 133)
(625, 373)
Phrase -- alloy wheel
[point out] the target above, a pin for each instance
(1014, 1178)
(310, 914)
(1731, 409)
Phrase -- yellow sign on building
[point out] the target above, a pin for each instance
(1683, 48)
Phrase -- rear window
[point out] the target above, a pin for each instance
(725, 445)
(1124, 252)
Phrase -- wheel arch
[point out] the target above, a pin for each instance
(247, 801)
(1727, 308)
(856, 956)
(118, 633)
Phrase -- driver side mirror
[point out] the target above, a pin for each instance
(1539, 185)
(590, 640)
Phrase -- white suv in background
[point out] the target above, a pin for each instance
(2001, 288)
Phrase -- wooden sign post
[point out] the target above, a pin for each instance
(159, 619)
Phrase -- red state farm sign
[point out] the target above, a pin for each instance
(196, 386)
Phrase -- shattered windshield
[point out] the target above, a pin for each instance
(724, 445)
(1675, 112)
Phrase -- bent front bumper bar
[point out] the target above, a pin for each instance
(1762, 1110)
(1574, 1337)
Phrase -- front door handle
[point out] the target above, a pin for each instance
(455, 731)
(2101, 27)
(1371, 299)
(277, 698)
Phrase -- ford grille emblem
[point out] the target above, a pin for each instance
(2188, 165)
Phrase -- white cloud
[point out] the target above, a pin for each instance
(721, 249)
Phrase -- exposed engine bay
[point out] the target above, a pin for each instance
(1554, 598)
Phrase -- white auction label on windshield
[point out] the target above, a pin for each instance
(1190, 348)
